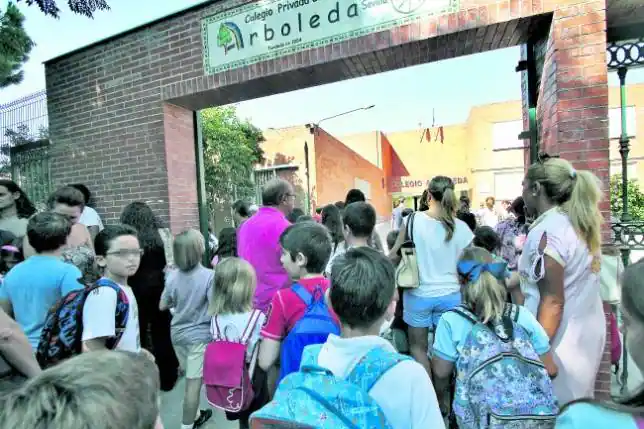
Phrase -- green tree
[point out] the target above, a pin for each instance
(81, 7)
(635, 198)
(231, 150)
(15, 46)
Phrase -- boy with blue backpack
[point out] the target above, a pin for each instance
(298, 316)
(356, 380)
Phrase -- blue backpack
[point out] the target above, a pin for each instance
(500, 378)
(313, 328)
(315, 398)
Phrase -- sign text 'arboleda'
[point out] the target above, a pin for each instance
(270, 29)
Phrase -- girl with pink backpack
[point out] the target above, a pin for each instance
(233, 381)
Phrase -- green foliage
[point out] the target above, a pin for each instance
(231, 150)
(635, 198)
(81, 7)
(15, 46)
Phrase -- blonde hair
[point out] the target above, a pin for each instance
(441, 189)
(188, 249)
(102, 390)
(485, 296)
(577, 192)
(233, 287)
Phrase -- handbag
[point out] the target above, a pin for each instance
(407, 276)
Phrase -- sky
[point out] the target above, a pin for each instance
(403, 99)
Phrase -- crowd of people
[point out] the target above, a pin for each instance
(309, 320)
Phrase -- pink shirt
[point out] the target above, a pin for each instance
(258, 242)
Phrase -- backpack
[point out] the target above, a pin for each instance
(61, 336)
(315, 398)
(501, 382)
(225, 374)
(313, 328)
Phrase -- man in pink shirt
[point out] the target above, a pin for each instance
(258, 240)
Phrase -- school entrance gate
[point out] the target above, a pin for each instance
(122, 111)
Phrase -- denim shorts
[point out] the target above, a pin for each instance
(421, 312)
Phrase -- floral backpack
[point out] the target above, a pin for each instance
(500, 378)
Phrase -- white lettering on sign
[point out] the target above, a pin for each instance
(269, 29)
(424, 183)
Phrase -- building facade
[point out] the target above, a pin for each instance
(484, 156)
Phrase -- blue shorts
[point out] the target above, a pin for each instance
(419, 312)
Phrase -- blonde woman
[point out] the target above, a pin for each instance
(560, 270)
(102, 390)
(231, 307)
(186, 291)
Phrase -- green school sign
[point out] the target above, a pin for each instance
(270, 29)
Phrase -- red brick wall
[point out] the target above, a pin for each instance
(337, 167)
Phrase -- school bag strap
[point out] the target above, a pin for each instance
(121, 312)
(410, 228)
(372, 366)
(504, 330)
(303, 294)
(218, 335)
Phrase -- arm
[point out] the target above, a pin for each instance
(15, 347)
(99, 322)
(166, 302)
(84, 236)
(394, 255)
(93, 232)
(549, 363)
(512, 284)
(269, 352)
(444, 356)
(5, 301)
(551, 290)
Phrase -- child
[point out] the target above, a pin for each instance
(32, 287)
(363, 295)
(227, 246)
(186, 292)
(306, 248)
(231, 307)
(118, 254)
(10, 255)
(359, 220)
(627, 414)
(475, 325)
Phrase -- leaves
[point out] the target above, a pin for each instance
(635, 198)
(15, 46)
(81, 7)
(231, 150)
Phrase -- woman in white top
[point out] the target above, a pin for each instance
(440, 239)
(559, 271)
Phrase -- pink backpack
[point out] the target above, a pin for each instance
(615, 340)
(225, 373)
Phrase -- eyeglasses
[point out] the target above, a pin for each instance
(126, 252)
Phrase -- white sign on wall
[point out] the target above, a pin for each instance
(269, 29)
(364, 186)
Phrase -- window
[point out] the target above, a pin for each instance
(505, 135)
(615, 122)
(364, 186)
(508, 186)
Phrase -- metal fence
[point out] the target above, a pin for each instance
(24, 145)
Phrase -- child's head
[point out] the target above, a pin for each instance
(227, 243)
(67, 201)
(481, 283)
(101, 389)
(304, 218)
(487, 238)
(633, 309)
(118, 251)
(233, 287)
(48, 232)
(188, 248)
(359, 220)
(392, 236)
(10, 254)
(306, 249)
(362, 289)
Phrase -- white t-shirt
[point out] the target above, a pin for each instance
(89, 217)
(99, 318)
(233, 325)
(405, 393)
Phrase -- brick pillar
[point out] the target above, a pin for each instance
(181, 167)
(572, 109)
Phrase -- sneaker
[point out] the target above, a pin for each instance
(204, 416)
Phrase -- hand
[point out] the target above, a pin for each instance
(148, 355)
(5, 334)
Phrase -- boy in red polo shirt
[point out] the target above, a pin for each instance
(299, 316)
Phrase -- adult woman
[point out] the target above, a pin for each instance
(147, 285)
(630, 413)
(15, 208)
(512, 232)
(440, 239)
(559, 270)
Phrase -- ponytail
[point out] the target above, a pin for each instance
(448, 208)
(485, 295)
(583, 209)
